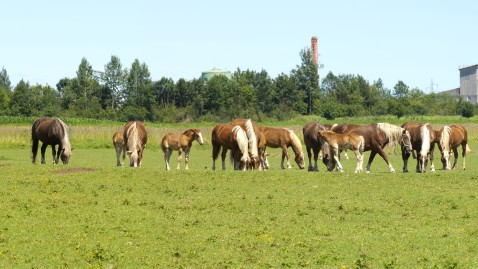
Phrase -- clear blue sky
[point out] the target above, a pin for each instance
(413, 41)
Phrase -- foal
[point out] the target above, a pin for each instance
(338, 142)
(182, 142)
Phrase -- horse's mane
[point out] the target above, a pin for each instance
(445, 138)
(133, 140)
(425, 134)
(252, 138)
(242, 142)
(296, 144)
(65, 141)
(392, 133)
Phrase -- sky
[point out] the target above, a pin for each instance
(421, 43)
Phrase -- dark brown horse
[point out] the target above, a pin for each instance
(313, 143)
(135, 138)
(234, 138)
(451, 138)
(377, 136)
(256, 140)
(182, 142)
(119, 145)
(422, 137)
(51, 132)
(282, 138)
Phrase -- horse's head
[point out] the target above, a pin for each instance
(407, 141)
(445, 159)
(198, 136)
(255, 163)
(65, 156)
(299, 159)
(133, 158)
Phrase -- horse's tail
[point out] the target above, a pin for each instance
(242, 142)
(425, 134)
(362, 144)
(467, 149)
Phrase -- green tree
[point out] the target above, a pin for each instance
(5, 80)
(85, 88)
(5, 92)
(114, 78)
(138, 81)
(307, 79)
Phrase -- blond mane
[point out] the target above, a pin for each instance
(252, 138)
(392, 133)
(65, 140)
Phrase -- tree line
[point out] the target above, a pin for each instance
(122, 94)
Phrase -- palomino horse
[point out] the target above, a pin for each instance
(338, 142)
(451, 138)
(422, 137)
(312, 142)
(282, 138)
(377, 136)
(234, 138)
(182, 142)
(51, 132)
(135, 138)
(256, 141)
(119, 145)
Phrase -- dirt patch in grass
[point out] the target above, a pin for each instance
(75, 170)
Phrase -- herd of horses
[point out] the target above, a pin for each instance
(247, 143)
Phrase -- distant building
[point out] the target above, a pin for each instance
(207, 75)
(468, 90)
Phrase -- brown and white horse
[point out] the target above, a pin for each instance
(51, 132)
(282, 138)
(451, 138)
(135, 138)
(256, 141)
(338, 142)
(118, 144)
(312, 143)
(422, 138)
(377, 136)
(182, 142)
(234, 138)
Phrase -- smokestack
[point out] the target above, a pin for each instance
(315, 50)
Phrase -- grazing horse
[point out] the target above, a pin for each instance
(51, 132)
(338, 142)
(422, 137)
(234, 138)
(282, 138)
(312, 142)
(256, 141)
(182, 142)
(119, 145)
(135, 139)
(377, 136)
(451, 138)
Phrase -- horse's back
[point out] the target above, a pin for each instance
(143, 135)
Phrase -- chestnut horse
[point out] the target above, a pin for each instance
(312, 142)
(451, 138)
(256, 141)
(51, 132)
(234, 138)
(135, 138)
(282, 138)
(422, 137)
(118, 144)
(377, 136)
(338, 142)
(182, 142)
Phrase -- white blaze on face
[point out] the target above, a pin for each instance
(200, 139)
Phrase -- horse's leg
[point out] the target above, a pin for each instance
(118, 155)
(309, 155)
(358, 155)
(455, 154)
(215, 153)
(186, 158)
(34, 149)
(53, 152)
(285, 154)
(370, 160)
(167, 156)
(180, 157)
(405, 157)
(463, 154)
(337, 159)
(430, 157)
(223, 158)
(385, 158)
(346, 155)
(316, 156)
(418, 168)
(42, 151)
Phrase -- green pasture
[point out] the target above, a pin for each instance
(92, 214)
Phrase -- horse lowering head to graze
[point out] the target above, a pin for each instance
(377, 136)
(255, 140)
(283, 138)
(312, 143)
(338, 142)
(422, 138)
(135, 138)
(51, 132)
(118, 144)
(234, 138)
(451, 138)
(182, 143)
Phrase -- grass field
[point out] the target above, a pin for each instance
(92, 214)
